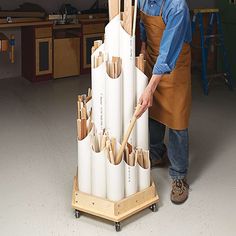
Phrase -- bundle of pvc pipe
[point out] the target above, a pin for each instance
(116, 87)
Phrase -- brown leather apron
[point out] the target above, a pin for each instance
(172, 98)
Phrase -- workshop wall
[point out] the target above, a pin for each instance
(229, 29)
(12, 70)
(8, 70)
(51, 5)
(201, 3)
(81, 4)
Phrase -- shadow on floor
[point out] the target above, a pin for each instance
(211, 130)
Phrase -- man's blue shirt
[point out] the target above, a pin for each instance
(175, 15)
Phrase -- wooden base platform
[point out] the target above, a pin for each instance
(114, 211)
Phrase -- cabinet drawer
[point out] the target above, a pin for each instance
(43, 32)
(94, 28)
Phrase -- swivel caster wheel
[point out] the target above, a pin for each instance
(153, 207)
(117, 226)
(77, 214)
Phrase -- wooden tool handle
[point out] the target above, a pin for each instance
(127, 134)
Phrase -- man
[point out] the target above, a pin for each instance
(166, 34)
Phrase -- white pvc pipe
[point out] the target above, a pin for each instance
(84, 164)
(114, 107)
(115, 180)
(99, 173)
(127, 54)
(144, 176)
(131, 179)
(142, 132)
(99, 93)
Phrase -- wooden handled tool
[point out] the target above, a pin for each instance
(4, 43)
(127, 134)
(12, 52)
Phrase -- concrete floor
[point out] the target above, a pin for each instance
(38, 161)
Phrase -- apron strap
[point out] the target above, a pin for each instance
(162, 7)
(161, 10)
(143, 4)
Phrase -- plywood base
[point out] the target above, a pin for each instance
(113, 211)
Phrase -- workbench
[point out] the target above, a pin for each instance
(24, 23)
(56, 51)
(66, 50)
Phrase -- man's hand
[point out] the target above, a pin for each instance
(145, 101)
(147, 97)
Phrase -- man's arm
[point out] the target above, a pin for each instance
(147, 97)
(143, 38)
(172, 40)
(171, 46)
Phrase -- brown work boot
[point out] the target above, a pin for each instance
(163, 162)
(179, 193)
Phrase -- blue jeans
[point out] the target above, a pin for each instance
(178, 149)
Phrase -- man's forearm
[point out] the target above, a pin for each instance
(153, 83)
(143, 48)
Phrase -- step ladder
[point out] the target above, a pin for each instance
(206, 40)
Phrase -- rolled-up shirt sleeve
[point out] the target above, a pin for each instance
(172, 41)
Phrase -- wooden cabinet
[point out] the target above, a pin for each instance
(59, 51)
(92, 29)
(88, 41)
(66, 50)
(43, 32)
(43, 56)
(37, 52)
(66, 57)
